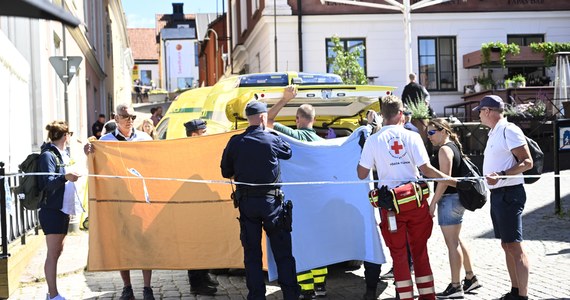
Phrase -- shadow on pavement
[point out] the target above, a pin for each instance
(543, 224)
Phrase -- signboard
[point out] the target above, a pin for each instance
(58, 63)
(181, 64)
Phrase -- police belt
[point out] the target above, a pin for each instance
(251, 192)
(409, 196)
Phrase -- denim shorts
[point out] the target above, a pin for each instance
(449, 210)
(507, 204)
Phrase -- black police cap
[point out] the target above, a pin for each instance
(255, 107)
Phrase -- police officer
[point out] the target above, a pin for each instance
(200, 282)
(253, 157)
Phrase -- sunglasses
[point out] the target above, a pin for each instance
(433, 131)
(125, 117)
(70, 133)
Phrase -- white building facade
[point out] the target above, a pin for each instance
(441, 35)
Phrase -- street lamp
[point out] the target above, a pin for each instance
(216, 58)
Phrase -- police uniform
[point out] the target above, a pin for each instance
(253, 157)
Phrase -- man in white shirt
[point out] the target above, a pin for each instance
(397, 154)
(506, 153)
(124, 117)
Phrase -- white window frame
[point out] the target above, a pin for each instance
(243, 15)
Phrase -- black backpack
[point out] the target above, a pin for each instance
(537, 159)
(476, 196)
(28, 190)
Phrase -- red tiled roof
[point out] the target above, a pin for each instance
(143, 43)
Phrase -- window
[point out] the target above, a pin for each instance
(234, 24)
(349, 44)
(196, 54)
(525, 39)
(535, 75)
(437, 63)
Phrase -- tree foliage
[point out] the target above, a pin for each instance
(345, 63)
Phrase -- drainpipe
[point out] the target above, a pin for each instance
(300, 33)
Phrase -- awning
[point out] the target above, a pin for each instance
(38, 9)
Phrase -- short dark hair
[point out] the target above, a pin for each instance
(101, 115)
(153, 110)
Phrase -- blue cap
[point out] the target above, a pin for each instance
(491, 101)
(255, 107)
(195, 125)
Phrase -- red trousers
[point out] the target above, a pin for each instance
(414, 227)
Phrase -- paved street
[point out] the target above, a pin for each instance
(547, 243)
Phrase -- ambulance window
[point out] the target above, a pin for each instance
(271, 79)
(313, 79)
(162, 128)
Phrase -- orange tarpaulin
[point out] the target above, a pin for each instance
(185, 225)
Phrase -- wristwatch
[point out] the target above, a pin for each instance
(503, 173)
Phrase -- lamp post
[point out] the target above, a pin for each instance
(216, 55)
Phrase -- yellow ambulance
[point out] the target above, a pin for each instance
(338, 106)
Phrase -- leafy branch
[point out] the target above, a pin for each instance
(504, 49)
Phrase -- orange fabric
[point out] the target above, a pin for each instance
(185, 226)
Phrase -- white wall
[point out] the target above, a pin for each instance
(385, 44)
(16, 134)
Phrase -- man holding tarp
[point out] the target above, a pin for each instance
(125, 116)
(253, 157)
(396, 154)
(312, 282)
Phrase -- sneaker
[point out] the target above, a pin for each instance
(148, 294)
(307, 295)
(451, 292)
(58, 297)
(127, 293)
(388, 275)
(470, 284)
(320, 290)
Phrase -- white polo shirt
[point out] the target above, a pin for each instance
(137, 135)
(396, 153)
(498, 156)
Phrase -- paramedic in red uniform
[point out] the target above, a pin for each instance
(397, 154)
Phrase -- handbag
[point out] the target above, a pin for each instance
(472, 192)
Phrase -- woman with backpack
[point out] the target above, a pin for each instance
(449, 208)
(59, 198)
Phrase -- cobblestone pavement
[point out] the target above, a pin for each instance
(547, 242)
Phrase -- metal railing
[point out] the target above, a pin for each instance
(16, 221)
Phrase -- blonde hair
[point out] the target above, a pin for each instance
(56, 130)
(152, 132)
(391, 105)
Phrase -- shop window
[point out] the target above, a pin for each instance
(437, 63)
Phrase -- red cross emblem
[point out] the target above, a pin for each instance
(397, 147)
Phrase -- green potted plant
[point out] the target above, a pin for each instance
(486, 82)
(549, 49)
(518, 80)
(537, 110)
(503, 49)
(420, 116)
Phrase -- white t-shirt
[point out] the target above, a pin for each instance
(498, 156)
(137, 135)
(396, 153)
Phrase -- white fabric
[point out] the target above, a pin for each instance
(331, 223)
(498, 156)
(71, 202)
(396, 153)
(136, 136)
